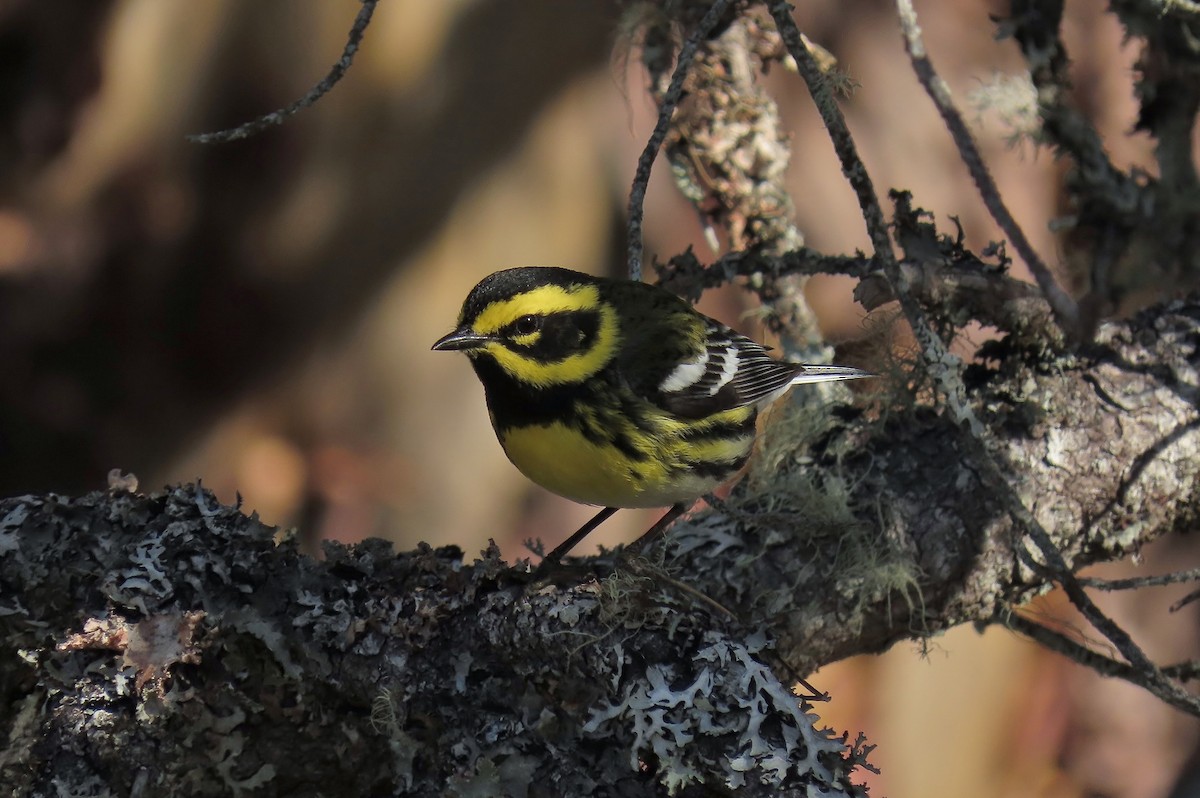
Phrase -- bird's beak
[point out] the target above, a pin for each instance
(462, 339)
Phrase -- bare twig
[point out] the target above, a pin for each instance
(641, 177)
(1183, 602)
(941, 364)
(1071, 649)
(944, 368)
(1066, 312)
(1183, 671)
(1088, 657)
(1148, 674)
(1137, 582)
(835, 123)
(1145, 673)
(277, 117)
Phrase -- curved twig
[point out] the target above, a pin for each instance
(1066, 311)
(277, 117)
(641, 177)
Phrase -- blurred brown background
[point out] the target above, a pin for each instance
(259, 314)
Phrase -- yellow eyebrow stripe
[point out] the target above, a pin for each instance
(539, 301)
(542, 301)
(571, 369)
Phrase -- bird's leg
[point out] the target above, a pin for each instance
(660, 526)
(552, 559)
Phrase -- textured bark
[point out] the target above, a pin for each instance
(167, 645)
(1102, 448)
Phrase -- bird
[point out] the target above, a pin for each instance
(615, 392)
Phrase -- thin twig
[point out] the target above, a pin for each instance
(944, 368)
(1101, 663)
(1066, 312)
(1183, 671)
(835, 123)
(639, 568)
(641, 177)
(322, 88)
(1183, 602)
(941, 364)
(1133, 583)
(1149, 676)
(1071, 649)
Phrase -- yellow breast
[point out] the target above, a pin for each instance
(563, 460)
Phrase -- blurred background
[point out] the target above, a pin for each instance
(259, 314)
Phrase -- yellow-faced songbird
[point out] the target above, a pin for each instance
(617, 393)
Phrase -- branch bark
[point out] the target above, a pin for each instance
(167, 645)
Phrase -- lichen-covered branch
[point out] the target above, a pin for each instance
(166, 645)
(1065, 310)
(941, 271)
(729, 154)
(177, 634)
(1129, 231)
(1104, 450)
(668, 99)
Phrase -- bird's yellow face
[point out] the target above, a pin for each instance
(543, 335)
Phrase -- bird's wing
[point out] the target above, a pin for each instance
(694, 366)
(730, 371)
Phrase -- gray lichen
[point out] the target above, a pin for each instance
(175, 647)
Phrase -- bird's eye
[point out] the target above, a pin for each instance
(527, 325)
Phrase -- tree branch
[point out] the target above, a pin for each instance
(641, 178)
(172, 619)
(1065, 310)
(322, 87)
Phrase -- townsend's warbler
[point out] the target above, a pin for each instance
(617, 393)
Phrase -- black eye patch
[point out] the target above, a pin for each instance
(565, 334)
(562, 334)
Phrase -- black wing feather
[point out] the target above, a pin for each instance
(737, 372)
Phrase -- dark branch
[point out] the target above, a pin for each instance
(641, 177)
(1065, 310)
(1137, 582)
(323, 86)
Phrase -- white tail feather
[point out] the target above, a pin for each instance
(814, 374)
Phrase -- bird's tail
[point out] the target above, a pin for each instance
(808, 374)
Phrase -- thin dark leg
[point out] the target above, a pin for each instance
(660, 526)
(552, 559)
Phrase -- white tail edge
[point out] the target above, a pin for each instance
(814, 374)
